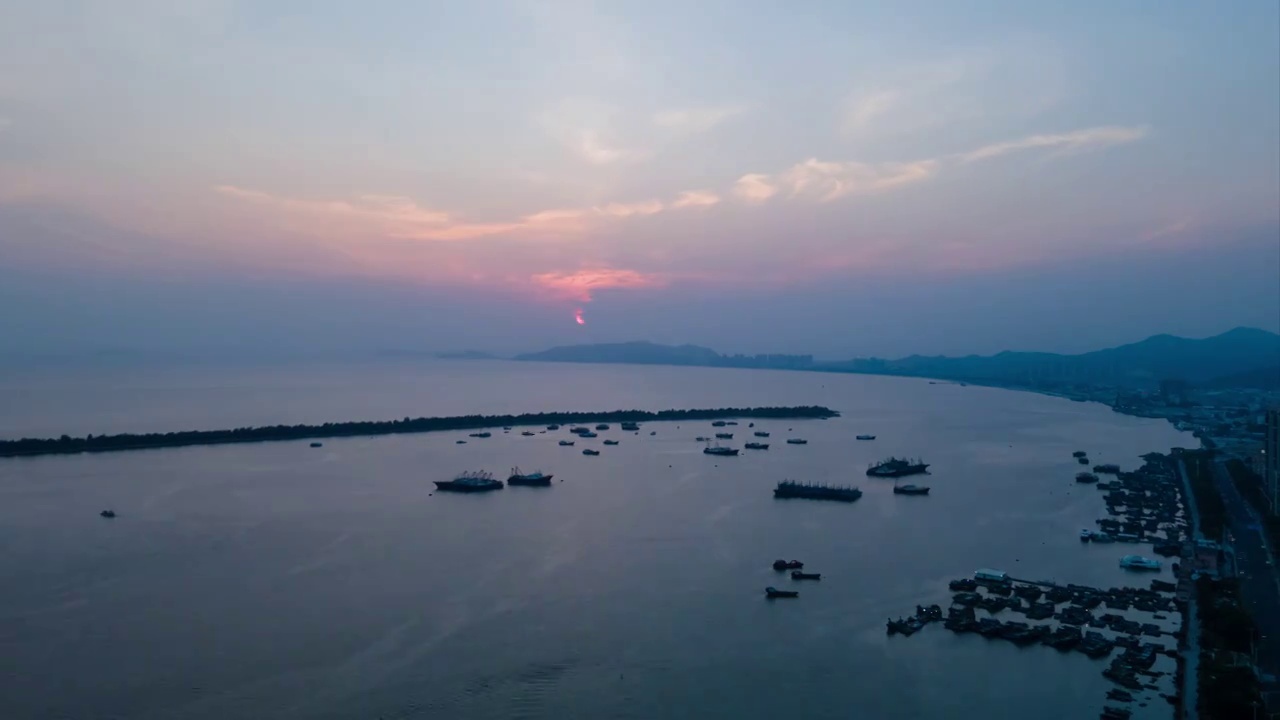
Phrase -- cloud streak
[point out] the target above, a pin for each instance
(696, 198)
(694, 120)
(825, 181)
(1077, 141)
(580, 284)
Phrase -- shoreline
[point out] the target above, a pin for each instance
(66, 445)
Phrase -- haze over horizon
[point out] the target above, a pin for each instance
(241, 180)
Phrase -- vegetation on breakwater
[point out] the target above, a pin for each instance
(130, 441)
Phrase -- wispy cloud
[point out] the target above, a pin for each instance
(592, 147)
(694, 120)
(824, 181)
(695, 198)
(580, 284)
(1018, 79)
(1079, 140)
(399, 217)
(827, 181)
(1177, 227)
(622, 210)
(755, 187)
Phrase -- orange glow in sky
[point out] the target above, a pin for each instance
(577, 315)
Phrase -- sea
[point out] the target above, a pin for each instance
(277, 580)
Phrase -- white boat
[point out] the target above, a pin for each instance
(1137, 562)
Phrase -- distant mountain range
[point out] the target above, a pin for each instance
(1243, 357)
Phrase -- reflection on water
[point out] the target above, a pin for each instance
(281, 581)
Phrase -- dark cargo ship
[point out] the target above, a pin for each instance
(897, 467)
(470, 482)
(792, 489)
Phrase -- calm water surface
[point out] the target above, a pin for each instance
(280, 581)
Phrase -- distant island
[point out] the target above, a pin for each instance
(112, 443)
(1239, 358)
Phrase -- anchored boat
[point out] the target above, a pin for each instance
(537, 479)
(897, 467)
(792, 489)
(470, 482)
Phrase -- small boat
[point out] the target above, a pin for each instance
(718, 450)
(587, 434)
(1079, 454)
(653, 432)
(798, 575)
(533, 479)
(787, 565)
(481, 435)
(791, 489)
(797, 441)
(566, 443)
(756, 446)
(506, 428)
(460, 442)
(553, 427)
(578, 430)
(702, 439)
(1137, 562)
(1108, 469)
(470, 482)
(610, 442)
(589, 451)
(602, 426)
(772, 592)
(108, 513)
(629, 426)
(910, 490)
(317, 444)
(1086, 477)
(761, 433)
(1086, 535)
(731, 422)
(718, 423)
(724, 436)
(1083, 460)
(527, 433)
(866, 437)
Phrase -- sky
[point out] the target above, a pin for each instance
(225, 178)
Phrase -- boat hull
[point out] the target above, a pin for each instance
(543, 481)
(451, 486)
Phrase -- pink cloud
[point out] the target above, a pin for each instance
(579, 285)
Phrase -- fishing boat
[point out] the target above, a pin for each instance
(589, 451)
(470, 482)
(481, 434)
(719, 450)
(527, 433)
(761, 433)
(566, 443)
(772, 592)
(602, 426)
(910, 490)
(724, 436)
(897, 467)
(798, 575)
(1086, 477)
(797, 441)
(787, 564)
(866, 437)
(536, 479)
(316, 444)
(610, 442)
(108, 513)
(756, 446)
(718, 423)
(629, 426)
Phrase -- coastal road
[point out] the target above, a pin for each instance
(1259, 584)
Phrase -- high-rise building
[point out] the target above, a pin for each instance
(1271, 475)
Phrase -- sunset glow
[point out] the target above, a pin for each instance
(577, 315)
